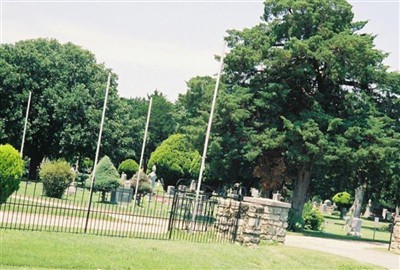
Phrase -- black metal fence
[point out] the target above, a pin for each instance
(156, 216)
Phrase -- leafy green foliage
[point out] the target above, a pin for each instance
(295, 221)
(314, 90)
(56, 177)
(106, 178)
(11, 168)
(68, 88)
(144, 184)
(312, 217)
(128, 166)
(175, 158)
(342, 199)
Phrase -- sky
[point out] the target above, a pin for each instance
(162, 44)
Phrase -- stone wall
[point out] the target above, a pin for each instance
(395, 245)
(252, 220)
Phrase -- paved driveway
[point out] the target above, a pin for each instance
(365, 252)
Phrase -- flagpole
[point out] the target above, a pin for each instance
(143, 148)
(203, 159)
(97, 151)
(25, 125)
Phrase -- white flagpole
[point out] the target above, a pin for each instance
(203, 159)
(25, 125)
(97, 149)
(143, 147)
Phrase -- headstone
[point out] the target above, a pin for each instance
(356, 227)
(192, 186)
(71, 189)
(353, 226)
(123, 177)
(368, 213)
(254, 193)
(276, 196)
(384, 213)
(170, 190)
(343, 212)
(153, 176)
(324, 208)
(122, 194)
(328, 203)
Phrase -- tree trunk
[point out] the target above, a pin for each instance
(358, 201)
(301, 188)
(36, 159)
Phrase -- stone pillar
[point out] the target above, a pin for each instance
(256, 218)
(395, 245)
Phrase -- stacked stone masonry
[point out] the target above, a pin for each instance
(256, 219)
(395, 245)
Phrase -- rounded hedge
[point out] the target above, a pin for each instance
(11, 169)
(56, 176)
(129, 166)
(342, 199)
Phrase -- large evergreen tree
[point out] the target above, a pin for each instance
(311, 81)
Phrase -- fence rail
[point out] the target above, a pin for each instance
(159, 216)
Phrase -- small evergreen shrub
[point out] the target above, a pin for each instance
(11, 169)
(56, 176)
(129, 166)
(106, 179)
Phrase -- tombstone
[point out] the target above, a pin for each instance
(323, 208)
(122, 194)
(343, 212)
(328, 203)
(170, 190)
(254, 193)
(123, 177)
(153, 176)
(71, 190)
(368, 213)
(192, 186)
(384, 213)
(276, 196)
(353, 226)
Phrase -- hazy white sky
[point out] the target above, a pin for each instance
(160, 44)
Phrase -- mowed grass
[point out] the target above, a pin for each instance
(40, 250)
(333, 228)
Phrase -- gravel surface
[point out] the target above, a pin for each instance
(365, 252)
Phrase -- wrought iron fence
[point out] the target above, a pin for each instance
(155, 216)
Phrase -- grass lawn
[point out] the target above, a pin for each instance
(41, 250)
(333, 228)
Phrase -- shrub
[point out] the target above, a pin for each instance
(144, 183)
(56, 177)
(342, 199)
(106, 179)
(313, 219)
(11, 169)
(129, 166)
(336, 213)
(87, 165)
(175, 158)
(295, 221)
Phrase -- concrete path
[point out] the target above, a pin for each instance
(365, 252)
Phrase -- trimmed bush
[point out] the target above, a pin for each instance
(106, 179)
(129, 166)
(144, 184)
(11, 169)
(175, 158)
(56, 177)
(342, 199)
